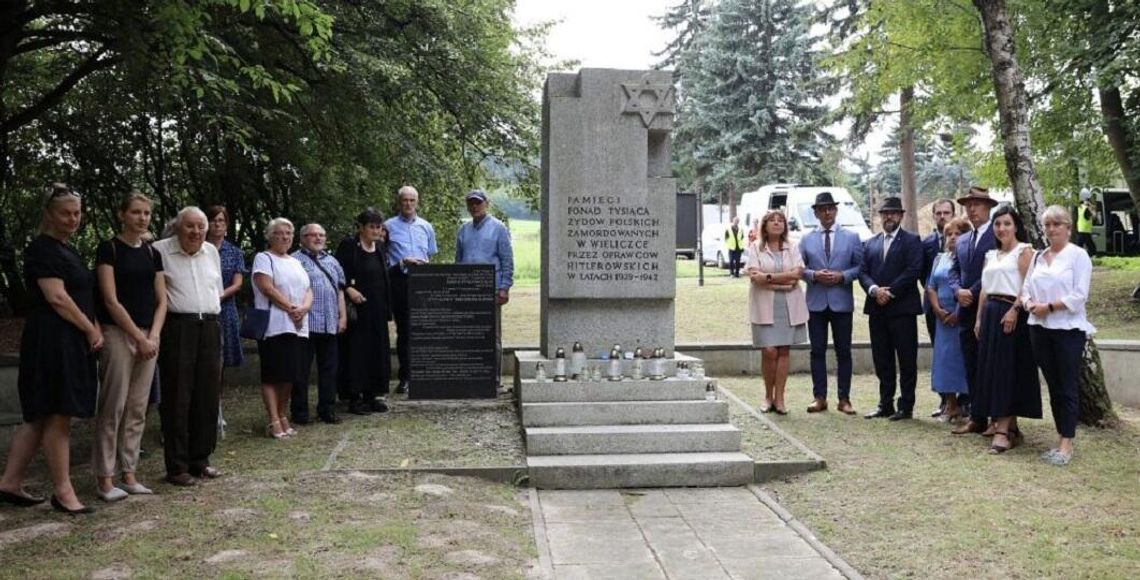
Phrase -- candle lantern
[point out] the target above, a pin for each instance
(560, 365)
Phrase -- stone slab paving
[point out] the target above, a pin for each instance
(732, 533)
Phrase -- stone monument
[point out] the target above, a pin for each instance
(609, 277)
(609, 210)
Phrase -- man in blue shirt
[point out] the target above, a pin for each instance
(327, 319)
(485, 240)
(411, 241)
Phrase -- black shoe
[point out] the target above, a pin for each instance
(59, 507)
(20, 500)
(879, 411)
(900, 415)
(359, 408)
(402, 388)
(330, 418)
(300, 420)
(378, 406)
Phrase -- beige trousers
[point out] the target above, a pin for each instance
(120, 413)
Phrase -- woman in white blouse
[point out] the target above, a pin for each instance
(1007, 381)
(281, 285)
(1055, 293)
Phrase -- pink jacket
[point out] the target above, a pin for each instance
(760, 300)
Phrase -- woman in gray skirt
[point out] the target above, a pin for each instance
(776, 304)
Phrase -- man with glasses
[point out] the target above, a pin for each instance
(485, 240)
(327, 319)
(932, 245)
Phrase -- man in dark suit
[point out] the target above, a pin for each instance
(892, 263)
(932, 245)
(966, 282)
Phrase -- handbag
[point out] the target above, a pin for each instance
(255, 322)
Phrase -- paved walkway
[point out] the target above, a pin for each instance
(684, 533)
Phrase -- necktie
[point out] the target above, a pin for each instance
(886, 245)
(827, 245)
(973, 242)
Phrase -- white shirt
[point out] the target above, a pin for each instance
(1001, 274)
(1065, 280)
(290, 278)
(977, 236)
(193, 281)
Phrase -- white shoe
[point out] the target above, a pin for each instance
(114, 495)
(136, 489)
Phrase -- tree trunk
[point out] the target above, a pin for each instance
(906, 153)
(1013, 112)
(1123, 144)
(1095, 405)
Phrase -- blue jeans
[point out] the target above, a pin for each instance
(324, 347)
(840, 323)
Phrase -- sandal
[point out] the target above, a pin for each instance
(279, 435)
(766, 407)
(996, 449)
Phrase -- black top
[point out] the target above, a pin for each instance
(368, 274)
(47, 257)
(134, 279)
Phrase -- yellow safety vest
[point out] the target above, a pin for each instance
(734, 242)
(1084, 224)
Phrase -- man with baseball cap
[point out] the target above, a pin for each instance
(486, 240)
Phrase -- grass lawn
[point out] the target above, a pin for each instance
(280, 511)
(909, 500)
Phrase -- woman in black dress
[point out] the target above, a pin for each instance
(57, 360)
(366, 360)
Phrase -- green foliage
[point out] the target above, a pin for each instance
(752, 111)
(307, 109)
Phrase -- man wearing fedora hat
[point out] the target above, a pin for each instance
(832, 258)
(892, 263)
(966, 283)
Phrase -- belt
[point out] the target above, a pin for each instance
(191, 316)
(1002, 298)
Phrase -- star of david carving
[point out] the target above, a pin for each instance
(661, 104)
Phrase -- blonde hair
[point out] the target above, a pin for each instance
(133, 196)
(1056, 214)
(52, 195)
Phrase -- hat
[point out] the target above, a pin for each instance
(478, 194)
(891, 204)
(979, 193)
(824, 198)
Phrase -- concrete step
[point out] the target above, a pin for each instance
(531, 391)
(525, 361)
(640, 470)
(691, 438)
(623, 413)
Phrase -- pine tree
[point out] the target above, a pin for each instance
(753, 92)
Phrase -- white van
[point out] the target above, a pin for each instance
(796, 202)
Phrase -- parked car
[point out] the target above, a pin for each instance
(796, 202)
(713, 251)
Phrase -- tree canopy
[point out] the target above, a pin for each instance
(311, 109)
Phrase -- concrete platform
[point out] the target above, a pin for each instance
(623, 413)
(701, 437)
(640, 470)
(531, 391)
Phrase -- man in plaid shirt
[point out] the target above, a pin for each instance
(327, 319)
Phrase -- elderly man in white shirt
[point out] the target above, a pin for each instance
(190, 351)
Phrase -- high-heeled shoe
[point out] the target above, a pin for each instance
(59, 507)
(279, 435)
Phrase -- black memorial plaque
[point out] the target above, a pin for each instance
(452, 331)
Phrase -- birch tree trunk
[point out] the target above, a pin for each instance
(1013, 113)
(909, 192)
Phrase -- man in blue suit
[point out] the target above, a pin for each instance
(932, 245)
(892, 263)
(966, 282)
(832, 259)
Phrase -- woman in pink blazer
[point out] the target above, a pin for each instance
(776, 304)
